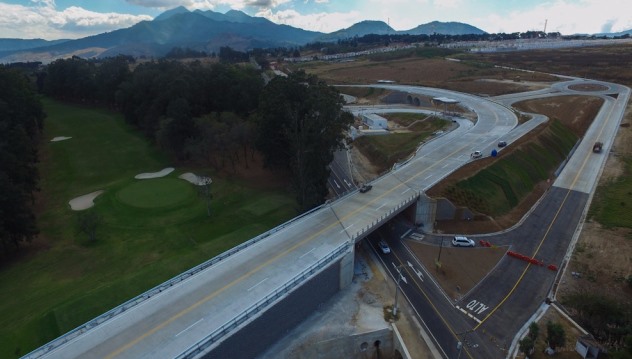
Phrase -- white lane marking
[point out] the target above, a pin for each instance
(419, 274)
(408, 189)
(446, 165)
(468, 314)
(345, 228)
(380, 207)
(310, 251)
(189, 327)
(254, 286)
(400, 273)
(428, 176)
(347, 182)
(336, 183)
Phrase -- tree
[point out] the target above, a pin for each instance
(88, 222)
(527, 343)
(300, 124)
(21, 121)
(555, 336)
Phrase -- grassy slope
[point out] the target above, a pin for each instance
(611, 205)
(497, 189)
(73, 281)
(386, 150)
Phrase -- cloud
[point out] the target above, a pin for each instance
(564, 16)
(43, 20)
(323, 22)
(206, 4)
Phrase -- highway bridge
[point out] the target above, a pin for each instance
(281, 276)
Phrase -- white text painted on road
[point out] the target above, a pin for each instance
(477, 307)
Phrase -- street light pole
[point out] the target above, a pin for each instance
(438, 263)
(460, 344)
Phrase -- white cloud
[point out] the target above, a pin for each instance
(207, 4)
(323, 22)
(45, 21)
(565, 16)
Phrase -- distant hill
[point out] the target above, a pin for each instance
(360, 29)
(22, 44)
(445, 28)
(202, 31)
(381, 28)
(199, 30)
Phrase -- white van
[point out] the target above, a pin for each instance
(462, 241)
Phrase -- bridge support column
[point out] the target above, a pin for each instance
(426, 212)
(346, 268)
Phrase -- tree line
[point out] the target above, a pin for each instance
(21, 121)
(217, 115)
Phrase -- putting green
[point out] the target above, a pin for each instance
(156, 193)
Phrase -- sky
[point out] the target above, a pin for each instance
(71, 19)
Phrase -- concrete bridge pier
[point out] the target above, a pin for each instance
(425, 213)
(346, 268)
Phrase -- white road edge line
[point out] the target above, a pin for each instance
(254, 286)
(380, 207)
(189, 327)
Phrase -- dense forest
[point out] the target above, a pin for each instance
(216, 115)
(21, 121)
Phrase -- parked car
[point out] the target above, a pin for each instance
(462, 241)
(365, 188)
(502, 143)
(477, 154)
(384, 247)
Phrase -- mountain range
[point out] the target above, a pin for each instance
(201, 31)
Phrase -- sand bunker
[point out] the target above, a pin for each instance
(60, 138)
(158, 174)
(191, 177)
(84, 202)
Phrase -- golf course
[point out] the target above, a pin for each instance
(146, 230)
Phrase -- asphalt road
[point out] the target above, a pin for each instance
(487, 319)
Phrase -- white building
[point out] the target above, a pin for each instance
(375, 122)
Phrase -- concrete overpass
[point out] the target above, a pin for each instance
(280, 276)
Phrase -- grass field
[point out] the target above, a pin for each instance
(152, 229)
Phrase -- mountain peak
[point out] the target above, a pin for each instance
(169, 13)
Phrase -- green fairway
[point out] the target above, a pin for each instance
(152, 229)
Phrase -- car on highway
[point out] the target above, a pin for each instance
(502, 143)
(365, 188)
(384, 247)
(477, 154)
(462, 241)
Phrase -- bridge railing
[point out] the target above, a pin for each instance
(255, 309)
(73, 334)
(384, 217)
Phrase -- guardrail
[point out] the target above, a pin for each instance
(73, 334)
(233, 324)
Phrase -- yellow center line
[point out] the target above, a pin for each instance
(281, 254)
(537, 250)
